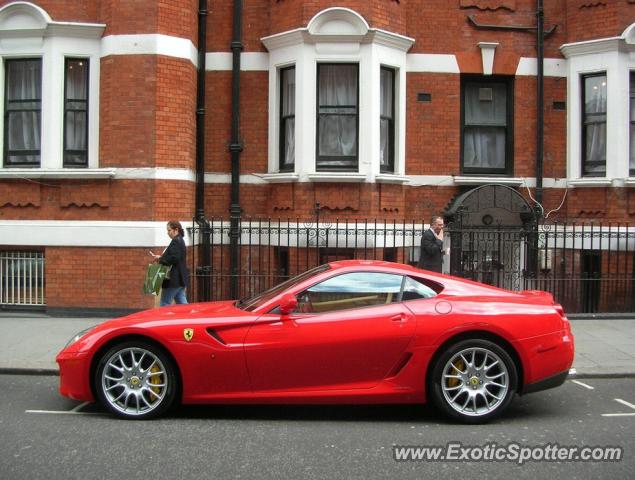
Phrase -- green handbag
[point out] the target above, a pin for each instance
(155, 274)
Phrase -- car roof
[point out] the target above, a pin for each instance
(451, 285)
(369, 264)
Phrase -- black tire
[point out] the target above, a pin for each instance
(136, 380)
(473, 381)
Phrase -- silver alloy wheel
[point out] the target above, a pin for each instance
(134, 381)
(475, 381)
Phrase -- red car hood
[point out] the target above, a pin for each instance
(217, 311)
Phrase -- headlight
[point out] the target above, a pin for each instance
(78, 336)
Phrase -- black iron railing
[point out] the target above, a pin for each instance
(588, 267)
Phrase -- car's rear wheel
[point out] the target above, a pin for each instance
(474, 380)
(136, 380)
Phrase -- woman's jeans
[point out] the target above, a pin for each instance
(176, 294)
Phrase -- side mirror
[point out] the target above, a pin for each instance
(288, 304)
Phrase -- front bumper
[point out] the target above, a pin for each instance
(75, 375)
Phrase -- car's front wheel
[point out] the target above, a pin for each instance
(136, 380)
(474, 380)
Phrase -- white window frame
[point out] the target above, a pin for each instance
(337, 35)
(27, 31)
(616, 57)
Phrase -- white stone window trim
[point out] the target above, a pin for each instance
(614, 56)
(337, 35)
(72, 173)
(484, 180)
(27, 31)
(590, 182)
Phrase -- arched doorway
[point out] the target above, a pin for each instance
(492, 236)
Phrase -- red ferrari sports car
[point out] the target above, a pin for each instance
(344, 332)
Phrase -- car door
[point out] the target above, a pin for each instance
(348, 331)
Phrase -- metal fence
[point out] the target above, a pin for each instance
(22, 279)
(588, 267)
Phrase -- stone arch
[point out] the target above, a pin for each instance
(337, 21)
(629, 34)
(23, 17)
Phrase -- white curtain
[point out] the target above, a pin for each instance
(24, 84)
(288, 114)
(595, 112)
(337, 92)
(485, 121)
(76, 122)
(387, 83)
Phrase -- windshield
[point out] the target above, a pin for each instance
(251, 303)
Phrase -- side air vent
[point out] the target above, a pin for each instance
(214, 334)
(399, 366)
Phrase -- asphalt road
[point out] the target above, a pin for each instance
(46, 436)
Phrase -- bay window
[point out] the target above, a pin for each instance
(337, 101)
(51, 73)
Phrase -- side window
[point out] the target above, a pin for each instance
(594, 109)
(338, 117)
(351, 290)
(414, 290)
(287, 119)
(23, 112)
(76, 112)
(487, 125)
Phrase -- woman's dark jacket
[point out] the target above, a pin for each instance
(175, 255)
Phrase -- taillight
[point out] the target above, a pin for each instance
(565, 321)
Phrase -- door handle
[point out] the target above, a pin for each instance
(400, 317)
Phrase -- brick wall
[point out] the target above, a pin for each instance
(147, 119)
(587, 20)
(96, 278)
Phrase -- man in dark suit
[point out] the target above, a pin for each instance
(432, 251)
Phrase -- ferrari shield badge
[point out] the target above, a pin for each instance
(188, 333)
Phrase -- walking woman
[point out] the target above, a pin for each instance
(173, 288)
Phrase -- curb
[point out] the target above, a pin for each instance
(30, 371)
(601, 375)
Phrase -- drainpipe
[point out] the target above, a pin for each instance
(199, 209)
(200, 114)
(540, 118)
(235, 147)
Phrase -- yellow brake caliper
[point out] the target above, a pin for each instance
(155, 379)
(459, 365)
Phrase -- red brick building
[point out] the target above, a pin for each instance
(383, 109)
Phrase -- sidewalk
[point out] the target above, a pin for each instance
(30, 342)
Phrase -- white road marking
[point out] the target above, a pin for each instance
(577, 382)
(624, 402)
(73, 411)
(62, 412)
(80, 406)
